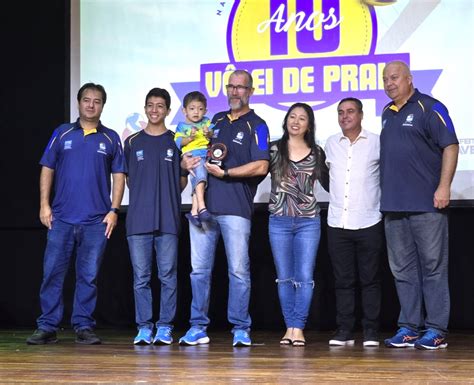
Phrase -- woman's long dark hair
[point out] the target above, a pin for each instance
(283, 158)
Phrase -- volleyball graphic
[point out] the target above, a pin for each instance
(133, 123)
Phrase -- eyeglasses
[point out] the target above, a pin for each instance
(239, 88)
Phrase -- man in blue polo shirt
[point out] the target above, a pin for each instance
(80, 158)
(229, 198)
(418, 157)
(154, 217)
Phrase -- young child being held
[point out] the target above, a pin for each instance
(192, 136)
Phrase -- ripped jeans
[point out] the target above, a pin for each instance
(294, 242)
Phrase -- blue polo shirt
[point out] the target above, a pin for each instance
(246, 139)
(154, 183)
(82, 167)
(411, 150)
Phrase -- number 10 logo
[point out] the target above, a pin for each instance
(314, 31)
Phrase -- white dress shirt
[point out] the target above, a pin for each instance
(354, 186)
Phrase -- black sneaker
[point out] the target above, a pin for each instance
(342, 338)
(371, 338)
(41, 337)
(87, 337)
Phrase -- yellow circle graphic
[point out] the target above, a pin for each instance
(251, 38)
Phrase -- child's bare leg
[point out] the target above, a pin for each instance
(199, 195)
(195, 206)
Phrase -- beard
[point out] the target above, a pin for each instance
(237, 103)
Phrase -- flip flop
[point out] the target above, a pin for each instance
(193, 219)
(299, 343)
(204, 215)
(285, 341)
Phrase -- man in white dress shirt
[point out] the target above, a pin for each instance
(355, 229)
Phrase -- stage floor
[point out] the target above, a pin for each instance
(118, 361)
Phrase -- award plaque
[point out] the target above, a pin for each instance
(217, 153)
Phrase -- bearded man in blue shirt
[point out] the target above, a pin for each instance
(241, 138)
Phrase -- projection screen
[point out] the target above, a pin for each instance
(316, 52)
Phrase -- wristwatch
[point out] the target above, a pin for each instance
(114, 210)
(226, 174)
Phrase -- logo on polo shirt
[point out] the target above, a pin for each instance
(68, 144)
(169, 155)
(140, 155)
(238, 138)
(408, 121)
(102, 148)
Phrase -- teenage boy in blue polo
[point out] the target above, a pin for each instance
(229, 198)
(153, 217)
(80, 158)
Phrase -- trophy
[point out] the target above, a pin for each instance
(217, 153)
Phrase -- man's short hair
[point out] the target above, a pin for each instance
(356, 101)
(159, 93)
(92, 86)
(246, 73)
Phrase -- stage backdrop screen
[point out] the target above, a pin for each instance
(316, 52)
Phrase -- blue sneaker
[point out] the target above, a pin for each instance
(194, 336)
(163, 336)
(143, 337)
(431, 341)
(404, 338)
(241, 338)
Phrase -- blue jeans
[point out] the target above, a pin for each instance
(418, 255)
(89, 242)
(200, 173)
(295, 242)
(235, 233)
(141, 254)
